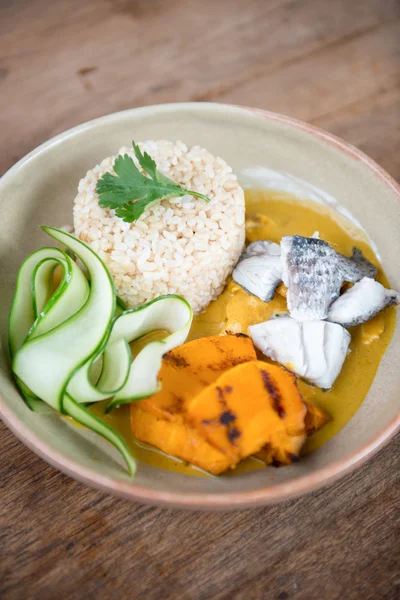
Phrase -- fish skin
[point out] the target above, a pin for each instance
(361, 303)
(314, 272)
(259, 270)
(357, 266)
(313, 350)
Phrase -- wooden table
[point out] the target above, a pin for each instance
(335, 64)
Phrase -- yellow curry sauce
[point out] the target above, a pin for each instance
(271, 215)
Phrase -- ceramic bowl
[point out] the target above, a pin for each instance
(41, 187)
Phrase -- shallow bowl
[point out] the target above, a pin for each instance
(41, 187)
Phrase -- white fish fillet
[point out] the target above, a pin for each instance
(361, 302)
(314, 350)
(259, 270)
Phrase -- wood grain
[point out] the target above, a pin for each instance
(336, 64)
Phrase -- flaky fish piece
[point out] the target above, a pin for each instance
(361, 303)
(314, 273)
(314, 350)
(259, 270)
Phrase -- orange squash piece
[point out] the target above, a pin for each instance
(247, 407)
(283, 449)
(219, 404)
(315, 418)
(282, 290)
(177, 439)
(243, 310)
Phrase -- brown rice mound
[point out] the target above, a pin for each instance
(182, 246)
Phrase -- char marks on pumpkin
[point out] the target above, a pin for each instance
(177, 407)
(274, 394)
(177, 361)
(229, 362)
(233, 434)
(227, 417)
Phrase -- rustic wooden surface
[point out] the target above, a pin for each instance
(335, 64)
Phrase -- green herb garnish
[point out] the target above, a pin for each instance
(129, 192)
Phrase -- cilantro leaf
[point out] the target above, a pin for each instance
(133, 210)
(145, 161)
(129, 192)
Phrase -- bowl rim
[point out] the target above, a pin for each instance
(228, 500)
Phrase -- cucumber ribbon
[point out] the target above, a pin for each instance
(59, 339)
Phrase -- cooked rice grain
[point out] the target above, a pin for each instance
(182, 246)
